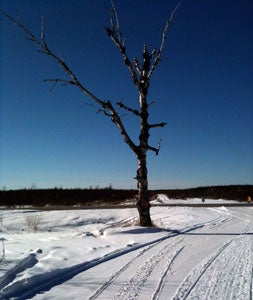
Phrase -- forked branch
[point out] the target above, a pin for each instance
(116, 36)
(156, 150)
(164, 34)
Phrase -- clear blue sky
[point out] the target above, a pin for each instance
(203, 89)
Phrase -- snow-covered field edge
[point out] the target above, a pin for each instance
(90, 254)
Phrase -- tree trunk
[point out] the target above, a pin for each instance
(143, 204)
(141, 73)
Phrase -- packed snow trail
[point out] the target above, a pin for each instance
(227, 272)
(209, 258)
(150, 277)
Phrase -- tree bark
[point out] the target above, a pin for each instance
(143, 204)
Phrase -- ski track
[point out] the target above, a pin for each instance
(217, 277)
(131, 290)
(161, 283)
(211, 281)
(133, 260)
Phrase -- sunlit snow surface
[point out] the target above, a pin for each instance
(193, 253)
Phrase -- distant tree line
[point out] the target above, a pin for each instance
(109, 195)
(64, 197)
(227, 192)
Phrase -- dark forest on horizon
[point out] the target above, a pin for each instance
(108, 195)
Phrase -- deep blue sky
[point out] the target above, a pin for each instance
(203, 89)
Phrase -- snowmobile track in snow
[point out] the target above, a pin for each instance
(163, 277)
(203, 280)
(133, 260)
(147, 260)
(132, 288)
(189, 284)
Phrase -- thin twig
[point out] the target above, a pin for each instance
(115, 13)
(55, 81)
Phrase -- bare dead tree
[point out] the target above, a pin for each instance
(141, 71)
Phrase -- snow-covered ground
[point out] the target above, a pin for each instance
(193, 252)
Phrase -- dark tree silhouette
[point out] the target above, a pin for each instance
(141, 71)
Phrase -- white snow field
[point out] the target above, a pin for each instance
(192, 253)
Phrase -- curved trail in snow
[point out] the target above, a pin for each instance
(227, 272)
(217, 276)
(208, 260)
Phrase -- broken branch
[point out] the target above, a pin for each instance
(163, 124)
(134, 111)
(156, 150)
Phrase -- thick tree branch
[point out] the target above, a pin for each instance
(117, 121)
(105, 106)
(43, 47)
